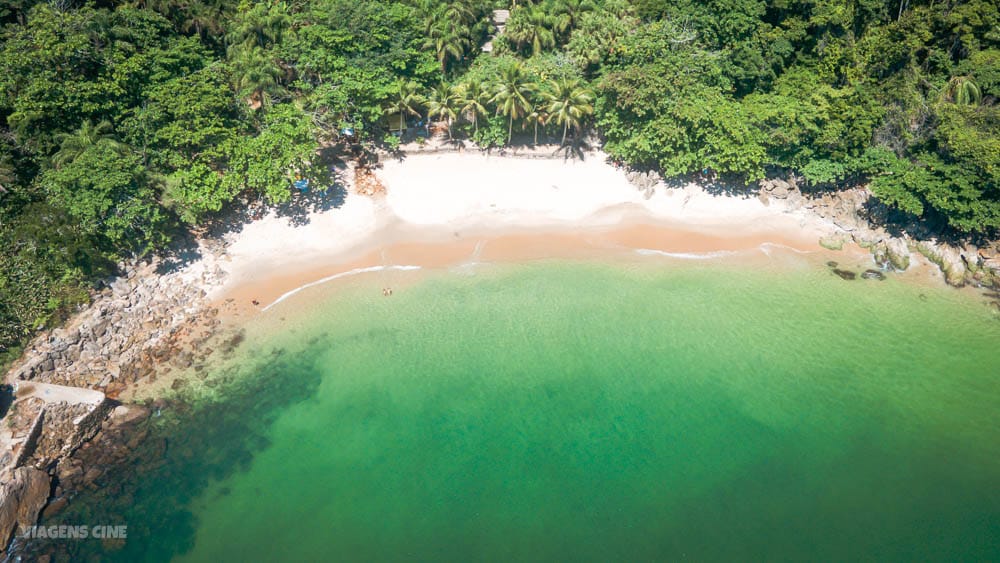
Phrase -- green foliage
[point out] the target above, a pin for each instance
(65, 67)
(569, 103)
(109, 193)
(664, 103)
(185, 118)
(532, 29)
(121, 121)
(963, 91)
(806, 120)
(349, 56)
(492, 132)
(942, 190)
(391, 142)
(196, 190)
(267, 163)
(512, 94)
(984, 69)
(442, 104)
(597, 39)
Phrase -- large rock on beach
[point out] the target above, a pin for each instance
(947, 259)
(776, 188)
(21, 499)
(833, 242)
(898, 253)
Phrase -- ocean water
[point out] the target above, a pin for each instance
(657, 409)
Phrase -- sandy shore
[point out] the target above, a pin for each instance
(445, 208)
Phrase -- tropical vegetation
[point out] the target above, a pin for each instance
(126, 122)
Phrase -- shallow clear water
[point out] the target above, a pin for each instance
(557, 410)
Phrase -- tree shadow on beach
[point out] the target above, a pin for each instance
(716, 185)
(327, 191)
(301, 206)
(182, 251)
(189, 243)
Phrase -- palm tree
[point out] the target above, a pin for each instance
(202, 18)
(406, 102)
(262, 25)
(256, 75)
(569, 103)
(447, 41)
(511, 96)
(460, 12)
(441, 104)
(74, 144)
(568, 13)
(963, 91)
(531, 26)
(470, 97)
(538, 116)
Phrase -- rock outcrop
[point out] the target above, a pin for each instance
(833, 242)
(898, 253)
(126, 331)
(948, 259)
(22, 497)
(646, 182)
(98, 461)
(44, 425)
(65, 377)
(850, 211)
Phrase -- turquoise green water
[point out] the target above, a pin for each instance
(589, 411)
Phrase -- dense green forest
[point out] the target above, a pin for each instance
(124, 123)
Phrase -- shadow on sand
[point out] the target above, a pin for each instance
(188, 244)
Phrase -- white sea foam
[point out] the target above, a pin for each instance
(766, 246)
(686, 255)
(469, 268)
(353, 272)
(478, 251)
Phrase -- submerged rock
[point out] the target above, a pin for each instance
(873, 275)
(832, 264)
(845, 274)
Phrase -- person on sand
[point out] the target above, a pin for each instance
(255, 303)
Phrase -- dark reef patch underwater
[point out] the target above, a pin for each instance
(589, 411)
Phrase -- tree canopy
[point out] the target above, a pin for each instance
(123, 123)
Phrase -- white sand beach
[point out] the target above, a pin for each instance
(446, 196)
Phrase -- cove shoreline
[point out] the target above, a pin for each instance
(440, 210)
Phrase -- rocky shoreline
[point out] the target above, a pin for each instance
(65, 428)
(857, 217)
(63, 391)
